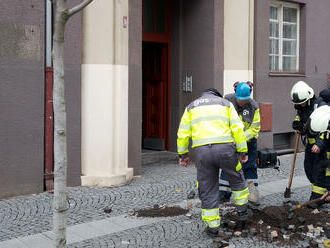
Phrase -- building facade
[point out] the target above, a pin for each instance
(131, 68)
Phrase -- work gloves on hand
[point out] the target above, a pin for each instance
(300, 127)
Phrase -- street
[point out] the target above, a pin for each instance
(26, 221)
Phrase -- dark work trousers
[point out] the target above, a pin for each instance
(211, 158)
(312, 171)
(322, 178)
(249, 169)
(311, 163)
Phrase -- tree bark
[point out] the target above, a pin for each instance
(60, 151)
(62, 14)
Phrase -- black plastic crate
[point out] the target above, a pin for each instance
(267, 158)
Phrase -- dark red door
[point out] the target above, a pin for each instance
(156, 71)
(155, 100)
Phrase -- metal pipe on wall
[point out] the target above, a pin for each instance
(49, 19)
(49, 114)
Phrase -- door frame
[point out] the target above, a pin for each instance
(164, 38)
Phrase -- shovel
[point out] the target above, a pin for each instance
(287, 193)
(305, 204)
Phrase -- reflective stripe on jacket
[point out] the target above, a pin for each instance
(209, 120)
(252, 130)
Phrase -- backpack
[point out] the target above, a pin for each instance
(268, 158)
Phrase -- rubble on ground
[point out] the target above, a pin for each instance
(162, 211)
(191, 195)
(277, 224)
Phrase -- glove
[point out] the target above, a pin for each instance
(299, 126)
(326, 196)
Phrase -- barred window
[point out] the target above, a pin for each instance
(284, 37)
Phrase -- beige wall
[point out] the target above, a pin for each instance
(238, 42)
(105, 40)
(105, 94)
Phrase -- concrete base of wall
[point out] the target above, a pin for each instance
(265, 140)
(113, 180)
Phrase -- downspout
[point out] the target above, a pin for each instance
(49, 17)
(49, 115)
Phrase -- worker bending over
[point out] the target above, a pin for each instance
(219, 141)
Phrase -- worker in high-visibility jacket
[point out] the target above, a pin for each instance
(305, 102)
(248, 111)
(319, 123)
(218, 141)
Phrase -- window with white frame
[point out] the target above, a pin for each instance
(284, 37)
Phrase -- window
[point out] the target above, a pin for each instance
(284, 37)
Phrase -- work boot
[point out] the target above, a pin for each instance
(212, 232)
(253, 205)
(254, 194)
(245, 215)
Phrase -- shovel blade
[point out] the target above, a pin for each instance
(287, 193)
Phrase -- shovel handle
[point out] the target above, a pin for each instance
(294, 159)
(307, 203)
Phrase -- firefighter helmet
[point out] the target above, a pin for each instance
(301, 93)
(319, 119)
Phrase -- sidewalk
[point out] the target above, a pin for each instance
(26, 221)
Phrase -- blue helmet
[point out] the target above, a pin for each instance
(243, 91)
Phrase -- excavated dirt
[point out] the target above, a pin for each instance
(301, 225)
(161, 212)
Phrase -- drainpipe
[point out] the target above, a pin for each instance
(49, 115)
(49, 32)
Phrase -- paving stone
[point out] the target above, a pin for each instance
(28, 215)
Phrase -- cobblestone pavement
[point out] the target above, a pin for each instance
(184, 232)
(163, 183)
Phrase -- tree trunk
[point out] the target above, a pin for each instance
(62, 14)
(60, 151)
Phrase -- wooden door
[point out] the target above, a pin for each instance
(155, 95)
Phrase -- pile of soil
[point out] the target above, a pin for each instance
(303, 224)
(161, 212)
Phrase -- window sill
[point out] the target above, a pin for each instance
(287, 74)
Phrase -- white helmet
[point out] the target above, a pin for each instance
(301, 93)
(319, 119)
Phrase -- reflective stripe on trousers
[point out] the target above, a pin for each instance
(328, 155)
(211, 217)
(319, 190)
(241, 197)
(224, 188)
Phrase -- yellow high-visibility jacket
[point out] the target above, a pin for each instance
(249, 115)
(210, 120)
